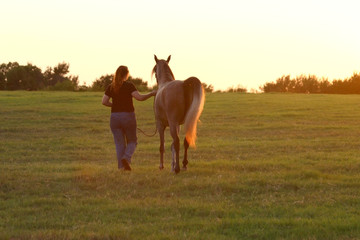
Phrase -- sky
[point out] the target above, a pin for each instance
(227, 43)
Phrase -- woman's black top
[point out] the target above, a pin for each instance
(122, 100)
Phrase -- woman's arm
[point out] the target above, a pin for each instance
(142, 97)
(106, 101)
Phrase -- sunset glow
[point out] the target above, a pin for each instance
(223, 43)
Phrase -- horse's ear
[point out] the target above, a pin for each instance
(156, 59)
(168, 60)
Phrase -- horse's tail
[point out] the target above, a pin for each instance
(194, 104)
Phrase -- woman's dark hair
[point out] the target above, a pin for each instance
(121, 75)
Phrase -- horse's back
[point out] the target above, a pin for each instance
(170, 102)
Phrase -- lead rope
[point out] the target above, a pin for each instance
(148, 135)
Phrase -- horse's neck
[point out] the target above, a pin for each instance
(163, 83)
(165, 79)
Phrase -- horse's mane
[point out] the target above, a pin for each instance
(166, 70)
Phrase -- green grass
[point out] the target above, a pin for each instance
(267, 166)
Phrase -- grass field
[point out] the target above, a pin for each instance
(267, 166)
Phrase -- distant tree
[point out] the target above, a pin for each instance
(27, 77)
(58, 74)
(354, 84)
(4, 69)
(348, 86)
(237, 89)
(268, 87)
(208, 88)
(140, 85)
(83, 87)
(311, 84)
(101, 83)
(306, 84)
(337, 86)
(65, 85)
(282, 84)
(324, 86)
(301, 84)
(2, 81)
(75, 81)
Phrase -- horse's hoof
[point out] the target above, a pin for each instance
(177, 170)
(184, 168)
(161, 167)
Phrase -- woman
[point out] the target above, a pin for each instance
(122, 120)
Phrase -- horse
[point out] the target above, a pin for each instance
(176, 102)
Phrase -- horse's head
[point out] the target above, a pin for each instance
(162, 70)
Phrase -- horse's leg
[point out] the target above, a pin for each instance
(162, 147)
(185, 161)
(175, 147)
(173, 157)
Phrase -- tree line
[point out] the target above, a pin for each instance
(14, 76)
(312, 84)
